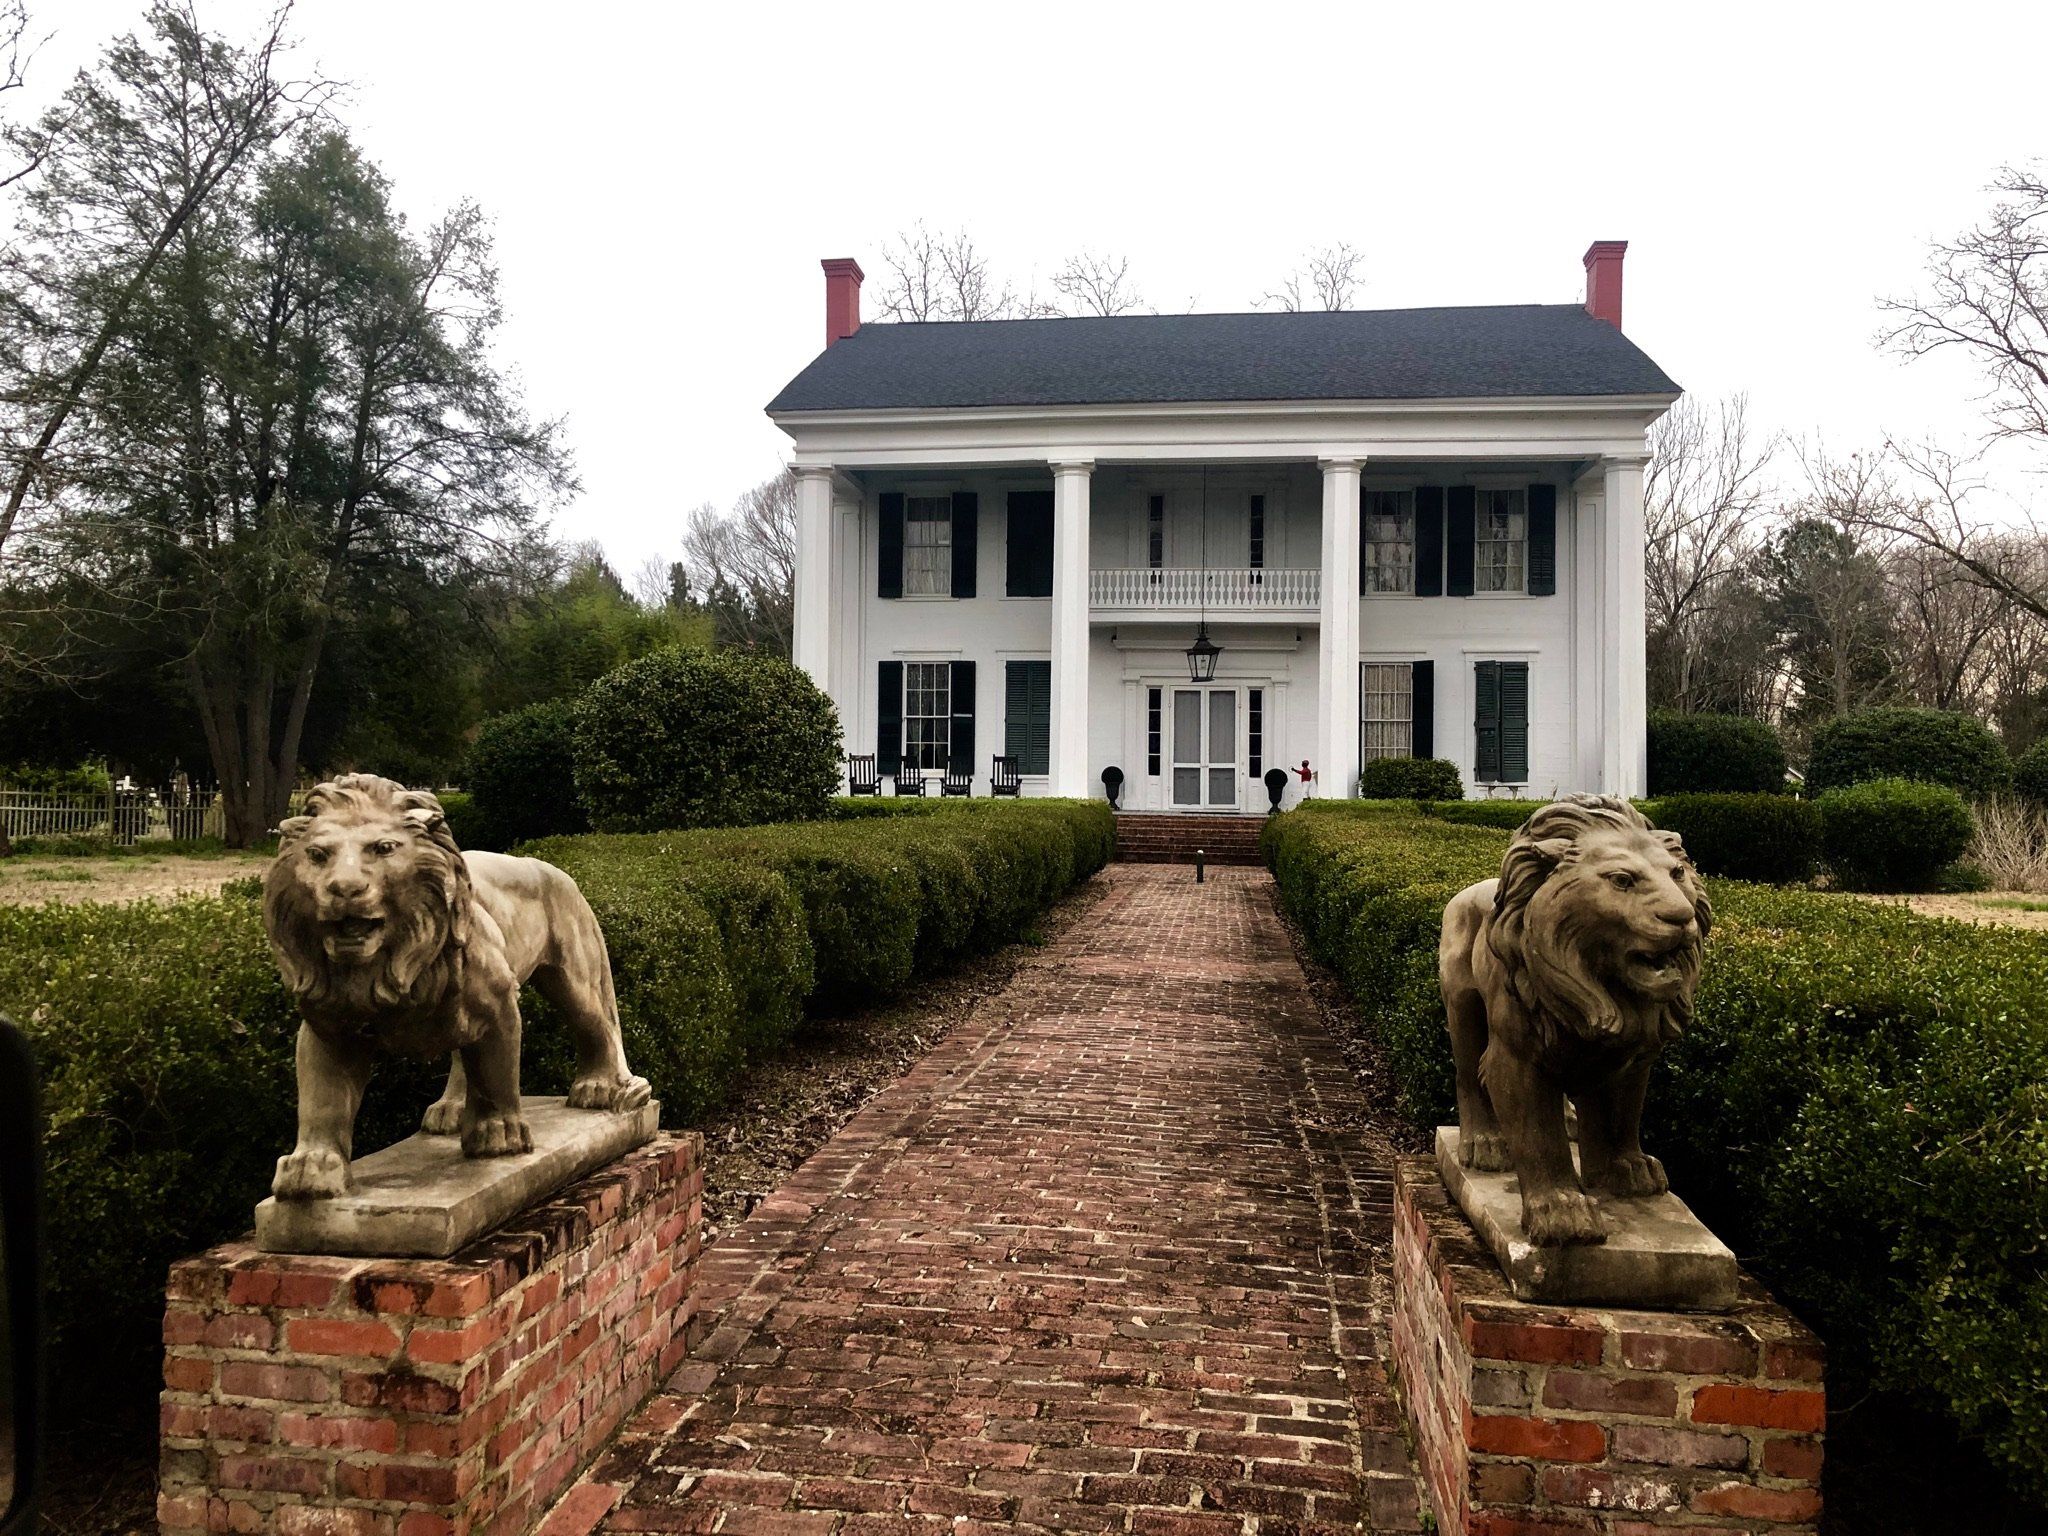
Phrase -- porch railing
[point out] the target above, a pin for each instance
(1225, 589)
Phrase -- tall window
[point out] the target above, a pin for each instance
(928, 546)
(927, 714)
(1386, 710)
(1155, 533)
(1500, 722)
(1255, 731)
(1389, 564)
(1257, 527)
(1027, 714)
(1152, 723)
(1500, 550)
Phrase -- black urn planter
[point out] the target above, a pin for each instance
(1276, 786)
(1113, 785)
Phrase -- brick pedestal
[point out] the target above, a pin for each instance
(1537, 1420)
(427, 1397)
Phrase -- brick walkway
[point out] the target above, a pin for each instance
(1110, 1259)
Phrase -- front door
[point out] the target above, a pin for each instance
(1205, 749)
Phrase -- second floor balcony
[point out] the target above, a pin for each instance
(1169, 590)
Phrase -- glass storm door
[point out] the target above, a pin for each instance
(1205, 750)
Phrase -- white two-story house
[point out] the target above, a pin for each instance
(1197, 547)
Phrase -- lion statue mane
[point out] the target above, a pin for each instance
(397, 943)
(1563, 979)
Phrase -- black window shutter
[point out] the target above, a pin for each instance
(1514, 722)
(966, 549)
(960, 741)
(1486, 721)
(889, 713)
(1429, 541)
(1027, 714)
(890, 582)
(1542, 540)
(1463, 516)
(1030, 545)
(1422, 710)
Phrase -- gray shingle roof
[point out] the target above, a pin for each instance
(1493, 351)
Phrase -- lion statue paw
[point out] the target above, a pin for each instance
(1636, 1174)
(1561, 1216)
(1484, 1151)
(311, 1173)
(609, 1093)
(443, 1117)
(503, 1135)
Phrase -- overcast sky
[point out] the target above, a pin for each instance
(665, 179)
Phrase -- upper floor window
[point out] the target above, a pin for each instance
(1389, 563)
(1501, 541)
(1256, 526)
(1155, 532)
(928, 546)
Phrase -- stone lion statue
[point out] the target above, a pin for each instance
(396, 942)
(1563, 979)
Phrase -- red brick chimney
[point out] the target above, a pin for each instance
(1603, 280)
(842, 297)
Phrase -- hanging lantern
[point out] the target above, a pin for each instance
(1202, 656)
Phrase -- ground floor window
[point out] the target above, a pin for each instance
(1500, 722)
(927, 714)
(1386, 710)
(1027, 714)
(1255, 731)
(1153, 711)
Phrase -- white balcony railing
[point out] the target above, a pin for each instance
(1204, 589)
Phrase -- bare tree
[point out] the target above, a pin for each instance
(1097, 285)
(743, 564)
(1944, 620)
(1327, 279)
(29, 144)
(129, 159)
(927, 276)
(1988, 296)
(1705, 510)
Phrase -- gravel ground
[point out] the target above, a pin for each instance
(1981, 907)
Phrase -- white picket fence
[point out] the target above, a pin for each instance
(120, 816)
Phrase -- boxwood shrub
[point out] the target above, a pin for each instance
(1933, 745)
(165, 1038)
(2030, 774)
(1410, 778)
(521, 775)
(1485, 813)
(1858, 1107)
(1892, 834)
(1773, 838)
(1713, 754)
(685, 738)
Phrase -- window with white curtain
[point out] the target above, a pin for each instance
(1386, 710)
(927, 714)
(928, 546)
(1501, 541)
(1389, 541)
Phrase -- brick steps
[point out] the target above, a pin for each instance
(1157, 839)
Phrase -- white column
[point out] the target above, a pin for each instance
(1624, 689)
(1070, 482)
(1336, 761)
(811, 623)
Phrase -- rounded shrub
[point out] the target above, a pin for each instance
(1410, 778)
(1892, 834)
(1935, 746)
(1773, 838)
(685, 738)
(1713, 754)
(2030, 774)
(521, 767)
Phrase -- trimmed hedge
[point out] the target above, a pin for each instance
(1858, 1108)
(1485, 813)
(705, 739)
(1713, 754)
(521, 776)
(2030, 774)
(1410, 778)
(1773, 838)
(1892, 834)
(1933, 745)
(165, 1037)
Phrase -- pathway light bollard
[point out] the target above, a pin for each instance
(1198, 866)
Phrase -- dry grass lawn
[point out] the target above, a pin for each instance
(30, 879)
